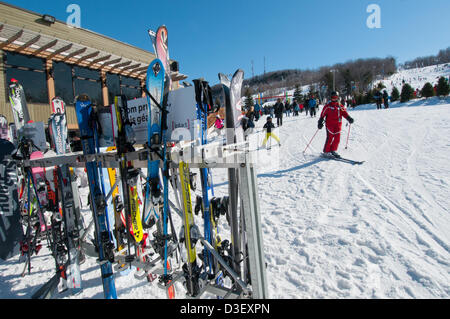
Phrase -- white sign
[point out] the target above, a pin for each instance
(182, 117)
(138, 116)
(181, 120)
(36, 132)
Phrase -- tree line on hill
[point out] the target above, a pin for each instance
(353, 79)
(441, 58)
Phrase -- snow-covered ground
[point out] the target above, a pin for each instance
(332, 230)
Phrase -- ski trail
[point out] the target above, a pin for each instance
(400, 211)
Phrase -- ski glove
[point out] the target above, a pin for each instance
(320, 126)
(351, 120)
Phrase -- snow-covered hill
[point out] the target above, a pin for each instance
(332, 230)
(416, 77)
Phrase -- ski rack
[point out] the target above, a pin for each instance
(213, 155)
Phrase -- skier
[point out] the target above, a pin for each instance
(295, 108)
(247, 124)
(386, 99)
(279, 108)
(218, 125)
(301, 107)
(332, 114)
(257, 112)
(378, 99)
(312, 106)
(287, 108)
(268, 127)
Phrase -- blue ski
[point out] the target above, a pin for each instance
(88, 131)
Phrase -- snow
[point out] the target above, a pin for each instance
(331, 230)
(416, 77)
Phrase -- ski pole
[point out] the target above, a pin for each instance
(311, 141)
(348, 135)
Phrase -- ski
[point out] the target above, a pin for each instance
(343, 159)
(231, 136)
(157, 89)
(189, 234)
(10, 225)
(18, 104)
(88, 131)
(204, 103)
(4, 134)
(63, 182)
(48, 290)
(129, 176)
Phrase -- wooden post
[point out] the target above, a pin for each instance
(50, 80)
(104, 88)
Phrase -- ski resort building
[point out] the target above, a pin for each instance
(50, 58)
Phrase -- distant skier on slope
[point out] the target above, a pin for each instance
(257, 112)
(332, 114)
(386, 99)
(268, 127)
(279, 110)
(312, 106)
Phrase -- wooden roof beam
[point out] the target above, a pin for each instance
(28, 44)
(59, 51)
(11, 40)
(88, 56)
(111, 62)
(45, 47)
(120, 65)
(106, 57)
(130, 68)
(139, 71)
(73, 54)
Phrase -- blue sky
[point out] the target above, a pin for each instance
(212, 36)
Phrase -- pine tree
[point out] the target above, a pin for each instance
(368, 97)
(298, 94)
(427, 90)
(381, 86)
(407, 93)
(443, 88)
(395, 94)
(248, 100)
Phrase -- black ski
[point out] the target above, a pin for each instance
(345, 160)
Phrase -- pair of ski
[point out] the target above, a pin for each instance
(342, 159)
(36, 178)
(231, 90)
(66, 218)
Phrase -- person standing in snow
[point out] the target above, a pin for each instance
(287, 108)
(218, 125)
(295, 108)
(332, 114)
(268, 127)
(386, 99)
(257, 112)
(378, 99)
(279, 109)
(312, 106)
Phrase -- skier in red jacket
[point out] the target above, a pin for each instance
(332, 114)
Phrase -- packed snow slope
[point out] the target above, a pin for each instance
(331, 229)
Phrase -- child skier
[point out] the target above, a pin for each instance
(218, 125)
(332, 114)
(269, 126)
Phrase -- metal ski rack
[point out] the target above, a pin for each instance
(234, 156)
(214, 155)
